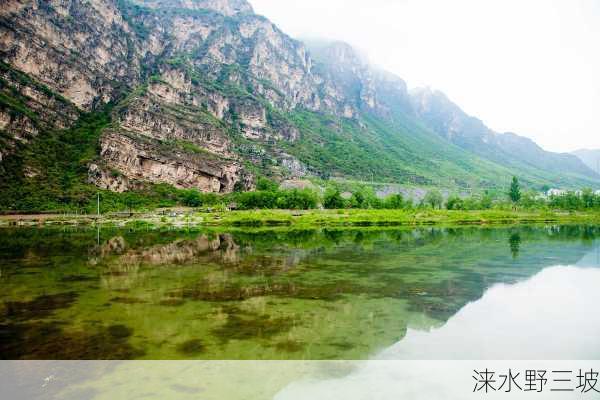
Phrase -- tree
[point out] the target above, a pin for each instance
(434, 198)
(266, 185)
(357, 200)
(486, 201)
(529, 199)
(395, 202)
(588, 198)
(365, 198)
(252, 200)
(455, 203)
(297, 199)
(515, 190)
(333, 199)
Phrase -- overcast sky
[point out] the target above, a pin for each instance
(527, 66)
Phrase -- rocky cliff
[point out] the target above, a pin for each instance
(227, 8)
(192, 71)
(28, 108)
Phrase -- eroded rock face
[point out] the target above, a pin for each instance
(39, 110)
(108, 180)
(294, 167)
(67, 46)
(150, 117)
(201, 86)
(225, 7)
(221, 248)
(141, 159)
(354, 85)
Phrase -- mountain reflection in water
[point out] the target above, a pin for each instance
(310, 294)
(548, 321)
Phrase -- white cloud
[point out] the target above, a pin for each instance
(530, 67)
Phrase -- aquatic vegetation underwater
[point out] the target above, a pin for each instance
(271, 294)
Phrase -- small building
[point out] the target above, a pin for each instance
(556, 192)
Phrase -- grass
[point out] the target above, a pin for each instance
(391, 217)
(315, 218)
(399, 151)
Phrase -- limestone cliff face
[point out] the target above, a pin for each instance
(82, 50)
(194, 72)
(138, 159)
(354, 85)
(149, 116)
(32, 109)
(225, 7)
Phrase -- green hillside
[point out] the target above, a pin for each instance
(219, 106)
(397, 150)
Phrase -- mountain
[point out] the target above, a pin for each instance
(227, 8)
(125, 95)
(591, 158)
(508, 149)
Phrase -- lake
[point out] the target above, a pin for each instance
(327, 294)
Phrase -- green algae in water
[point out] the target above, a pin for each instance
(266, 294)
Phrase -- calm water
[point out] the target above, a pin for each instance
(427, 293)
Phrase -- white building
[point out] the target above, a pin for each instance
(556, 192)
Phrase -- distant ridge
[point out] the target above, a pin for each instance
(591, 158)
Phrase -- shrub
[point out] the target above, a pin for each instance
(395, 202)
(455, 203)
(194, 198)
(333, 199)
(295, 199)
(267, 185)
(259, 199)
(486, 202)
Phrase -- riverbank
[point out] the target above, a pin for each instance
(310, 218)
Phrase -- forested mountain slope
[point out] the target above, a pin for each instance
(123, 95)
(452, 123)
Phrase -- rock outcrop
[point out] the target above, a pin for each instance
(195, 71)
(225, 7)
(66, 45)
(140, 159)
(27, 108)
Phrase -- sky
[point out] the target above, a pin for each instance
(531, 67)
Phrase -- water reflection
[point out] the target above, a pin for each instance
(551, 316)
(515, 244)
(280, 294)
